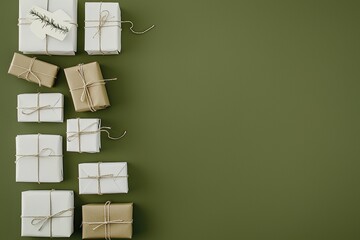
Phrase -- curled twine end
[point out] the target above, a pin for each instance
(123, 135)
(105, 129)
(137, 32)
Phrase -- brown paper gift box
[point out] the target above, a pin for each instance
(119, 216)
(33, 70)
(87, 87)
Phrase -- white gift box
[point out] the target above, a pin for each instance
(83, 135)
(102, 28)
(29, 43)
(40, 107)
(39, 158)
(47, 213)
(103, 178)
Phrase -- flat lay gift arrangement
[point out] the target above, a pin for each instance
(49, 27)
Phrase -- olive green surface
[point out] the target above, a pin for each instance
(242, 118)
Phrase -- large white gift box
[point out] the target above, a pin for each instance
(29, 43)
(83, 135)
(102, 28)
(103, 178)
(39, 158)
(40, 107)
(47, 213)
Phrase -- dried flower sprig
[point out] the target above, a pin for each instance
(46, 21)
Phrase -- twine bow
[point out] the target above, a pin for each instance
(43, 220)
(86, 95)
(104, 20)
(100, 176)
(107, 222)
(29, 72)
(45, 152)
(38, 108)
(77, 135)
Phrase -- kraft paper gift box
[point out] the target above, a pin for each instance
(47, 213)
(39, 158)
(87, 87)
(40, 107)
(29, 43)
(102, 28)
(107, 221)
(83, 135)
(33, 70)
(103, 178)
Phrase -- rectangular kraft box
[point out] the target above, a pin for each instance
(87, 87)
(33, 70)
(119, 216)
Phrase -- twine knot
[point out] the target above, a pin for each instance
(29, 72)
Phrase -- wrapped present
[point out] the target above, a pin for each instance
(102, 28)
(39, 158)
(87, 87)
(103, 178)
(30, 17)
(47, 213)
(40, 107)
(33, 70)
(107, 221)
(83, 135)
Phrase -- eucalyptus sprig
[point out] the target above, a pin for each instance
(46, 21)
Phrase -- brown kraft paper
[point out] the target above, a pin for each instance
(87, 87)
(120, 220)
(33, 70)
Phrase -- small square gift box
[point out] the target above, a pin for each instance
(48, 27)
(87, 87)
(39, 158)
(40, 107)
(107, 221)
(103, 178)
(102, 28)
(84, 135)
(33, 70)
(47, 213)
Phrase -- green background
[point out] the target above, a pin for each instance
(242, 119)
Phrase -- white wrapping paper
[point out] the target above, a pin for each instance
(43, 107)
(44, 203)
(113, 178)
(89, 138)
(109, 40)
(29, 43)
(47, 167)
